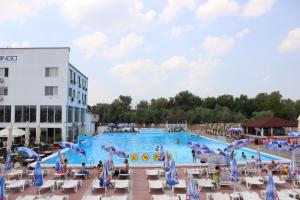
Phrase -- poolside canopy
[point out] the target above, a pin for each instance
(15, 132)
(270, 126)
(176, 123)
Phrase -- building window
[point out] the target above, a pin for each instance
(4, 91)
(25, 113)
(74, 78)
(5, 113)
(71, 76)
(79, 81)
(51, 90)
(51, 72)
(70, 92)
(51, 114)
(70, 114)
(77, 114)
(82, 115)
(78, 97)
(3, 72)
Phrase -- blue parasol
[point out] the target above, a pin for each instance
(74, 147)
(217, 157)
(166, 165)
(237, 144)
(192, 189)
(293, 169)
(38, 175)
(29, 153)
(105, 178)
(161, 154)
(234, 173)
(58, 163)
(271, 189)
(294, 134)
(279, 146)
(8, 161)
(197, 146)
(110, 162)
(2, 189)
(121, 153)
(172, 178)
(108, 148)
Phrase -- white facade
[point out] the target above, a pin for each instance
(91, 119)
(35, 85)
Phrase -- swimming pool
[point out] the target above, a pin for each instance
(141, 148)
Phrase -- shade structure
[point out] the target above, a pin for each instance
(8, 161)
(105, 178)
(161, 153)
(218, 157)
(38, 175)
(110, 162)
(293, 169)
(236, 129)
(58, 162)
(38, 135)
(192, 189)
(29, 153)
(271, 193)
(197, 146)
(15, 132)
(279, 146)
(172, 178)
(121, 153)
(294, 134)
(234, 173)
(9, 137)
(166, 164)
(237, 144)
(2, 189)
(108, 148)
(73, 147)
(259, 164)
(27, 133)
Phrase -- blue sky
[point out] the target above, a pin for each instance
(149, 49)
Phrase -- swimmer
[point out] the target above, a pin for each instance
(177, 141)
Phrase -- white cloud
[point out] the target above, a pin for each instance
(174, 7)
(174, 62)
(217, 46)
(112, 15)
(243, 33)
(17, 45)
(265, 78)
(176, 32)
(213, 9)
(256, 8)
(291, 42)
(21, 10)
(96, 44)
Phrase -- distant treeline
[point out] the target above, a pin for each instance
(224, 108)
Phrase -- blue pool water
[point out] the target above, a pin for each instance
(145, 143)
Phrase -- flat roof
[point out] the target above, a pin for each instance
(35, 48)
(78, 70)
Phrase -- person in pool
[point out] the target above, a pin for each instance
(194, 155)
(177, 141)
(244, 156)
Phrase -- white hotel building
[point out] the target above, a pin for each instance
(40, 86)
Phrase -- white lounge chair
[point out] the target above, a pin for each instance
(218, 196)
(161, 197)
(250, 168)
(48, 184)
(78, 174)
(96, 185)
(27, 197)
(181, 185)
(155, 185)
(205, 183)
(195, 171)
(211, 169)
(152, 173)
(122, 184)
(59, 175)
(91, 197)
(20, 184)
(249, 195)
(252, 181)
(71, 184)
(181, 196)
(125, 176)
(58, 197)
(224, 180)
(15, 173)
(277, 180)
(115, 197)
(284, 196)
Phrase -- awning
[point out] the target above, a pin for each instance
(15, 132)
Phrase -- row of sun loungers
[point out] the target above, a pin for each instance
(33, 197)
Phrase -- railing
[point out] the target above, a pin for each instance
(151, 130)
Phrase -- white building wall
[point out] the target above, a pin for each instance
(26, 83)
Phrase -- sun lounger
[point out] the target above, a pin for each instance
(125, 176)
(27, 197)
(205, 183)
(295, 193)
(115, 197)
(91, 197)
(152, 173)
(284, 196)
(252, 181)
(195, 171)
(122, 184)
(249, 195)
(15, 173)
(59, 175)
(20, 184)
(71, 184)
(181, 185)
(58, 197)
(211, 169)
(96, 185)
(250, 168)
(181, 196)
(218, 196)
(48, 184)
(277, 180)
(155, 184)
(161, 197)
(224, 180)
(78, 174)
